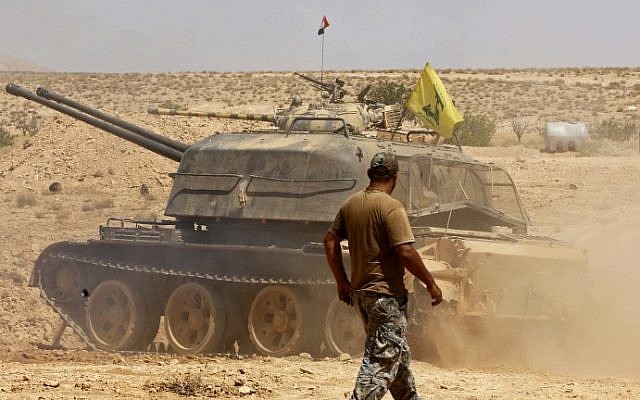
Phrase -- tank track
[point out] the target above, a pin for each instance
(98, 262)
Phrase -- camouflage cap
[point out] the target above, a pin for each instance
(383, 165)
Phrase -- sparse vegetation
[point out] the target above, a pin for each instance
(63, 214)
(6, 139)
(186, 385)
(103, 203)
(518, 127)
(475, 130)
(29, 125)
(172, 104)
(613, 129)
(97, 204)
(389, 92)
(25, 199)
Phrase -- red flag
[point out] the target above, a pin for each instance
(323, 25)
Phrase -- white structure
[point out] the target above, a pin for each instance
(564, 136)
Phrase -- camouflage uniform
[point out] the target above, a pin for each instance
(385, 364)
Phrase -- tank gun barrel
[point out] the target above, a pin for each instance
(335, 90)
(146, 142)
(211, 114)
(51, 95)
(315, 83)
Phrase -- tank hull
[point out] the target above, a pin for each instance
(70, 273)
(215, 298)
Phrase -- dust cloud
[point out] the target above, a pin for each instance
(607, 333)
(601, 337)
(598, 335)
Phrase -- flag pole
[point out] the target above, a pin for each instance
(322, 59)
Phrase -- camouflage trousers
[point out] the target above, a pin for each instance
(385, 363)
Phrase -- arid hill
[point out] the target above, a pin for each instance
(8, 63)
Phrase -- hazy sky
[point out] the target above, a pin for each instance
(196, 35)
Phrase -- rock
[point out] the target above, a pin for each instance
(174, 362)
(305, 355)
(344, 357)
(245, 390)
(573, 186)
(51, 384)
(306, 371)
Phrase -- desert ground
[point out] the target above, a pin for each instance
(589, 199)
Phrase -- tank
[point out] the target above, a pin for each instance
(297, 116)
(238, 262)
(361, 117)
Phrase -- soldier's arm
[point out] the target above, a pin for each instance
(333, 251)
(411, 260)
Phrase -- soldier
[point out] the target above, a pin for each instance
(381, 245)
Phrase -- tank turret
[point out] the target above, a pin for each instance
(363, 115)
(296, 119)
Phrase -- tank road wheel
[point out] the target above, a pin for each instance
(115, 316)
(62, 283)
(343, 329)
(194, 319)
(276, 321)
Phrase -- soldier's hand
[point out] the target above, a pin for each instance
(344, 292)
(436, 294)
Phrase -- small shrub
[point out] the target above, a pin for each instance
(518, 127)
(614, 130)
(389, 92)
(6, 139)
(172, 105)
(63, 214)
(26, 199)
(475, 130)
(188, 385)
(29, 125)
(98, 204)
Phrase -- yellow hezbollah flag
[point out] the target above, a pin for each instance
(431, 104)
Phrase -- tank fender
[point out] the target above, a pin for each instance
(34, 279)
